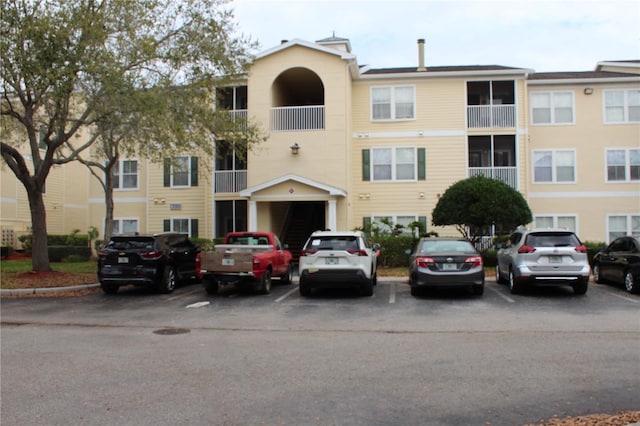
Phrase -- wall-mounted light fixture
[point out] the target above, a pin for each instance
(295, 148)
(588, 90)
(421, 195)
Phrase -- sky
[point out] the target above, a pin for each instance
(543, 35)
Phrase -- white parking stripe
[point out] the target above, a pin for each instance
(392, 294)
(499, 293)
(287, 294)
(620, 296)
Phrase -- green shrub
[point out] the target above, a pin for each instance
(393, 249)
(489, 257)
(58, 253)
(593, 247)
(205, 244)
(74, 258)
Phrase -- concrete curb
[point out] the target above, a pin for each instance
(23, 291)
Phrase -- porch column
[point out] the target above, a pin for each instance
(253, 216)
(333, 216)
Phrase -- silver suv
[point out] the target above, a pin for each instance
(543, 257)
(338, 259)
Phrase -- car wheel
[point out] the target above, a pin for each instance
(210, 285)
(415, 291)
(596, 274)
(168, 282)
(304, 288)
(581, 288)
(109, 288)
(288, 276)
(265, 283)
(367, 288)
(631, 283)
(514, 286)
(374, 279)
(478, 290)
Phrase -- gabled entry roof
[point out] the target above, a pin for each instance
(331, 190)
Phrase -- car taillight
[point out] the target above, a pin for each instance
(307, 252)
(526, 249)
(151, 255)
(199, 266)
(357, 252)
(102, 255)
(581, 248)
(474, 260)
(424, 262)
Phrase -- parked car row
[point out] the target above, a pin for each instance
(532, 257)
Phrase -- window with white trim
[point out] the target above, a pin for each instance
(125, 174)
(180, 225)
(393, 103)
(393, 164)
(124, 226)
(382, 223)
(622, 106)
(569, 222)
(554, 166)
(623, 165)
(552, 108)
(623, 224)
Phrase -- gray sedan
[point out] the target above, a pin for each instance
(440, 262)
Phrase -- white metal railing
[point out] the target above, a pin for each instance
(297, 118)
(484, 243)
(488, 116)
(508, 175)
(230, 180)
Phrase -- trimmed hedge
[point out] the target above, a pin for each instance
(61, 253)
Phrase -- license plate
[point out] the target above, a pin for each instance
(449, 266)
(331, 261)
(123, 260)
(228, 262)
(555, 259)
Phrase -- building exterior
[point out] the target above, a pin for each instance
(348, 145)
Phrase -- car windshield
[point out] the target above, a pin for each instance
(334, 243)
(142, 243)
(446, 247)
(249, 240)
(552, 239)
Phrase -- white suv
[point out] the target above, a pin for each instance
(338, 259)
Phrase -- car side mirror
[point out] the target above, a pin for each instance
(407, 251)
(499, 246)
(375, 247)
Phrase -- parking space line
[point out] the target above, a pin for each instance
(392, 293)
(287, 294)
(507, 298)
(620, 296)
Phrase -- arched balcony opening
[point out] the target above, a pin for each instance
(297, 101)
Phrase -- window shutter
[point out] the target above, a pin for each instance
(194, 171)
(422, 164)
(194, 228)
(366, 166)
(366, 224)
(423, 221)
(166, 225)
(167, 172)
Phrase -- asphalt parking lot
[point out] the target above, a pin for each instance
(446, 358)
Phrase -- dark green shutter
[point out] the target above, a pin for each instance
(366, 224)
(167, 172)
(194, 228)
(166, 225)
(366, 166)
(194, 171)
(422, 164)
(423, 221)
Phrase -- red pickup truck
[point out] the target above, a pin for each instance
(246, 259)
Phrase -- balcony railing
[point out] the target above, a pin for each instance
(297, 118)
(491, 116)
(230, 181)
(508, 175)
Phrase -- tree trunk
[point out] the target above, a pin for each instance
(39, 245)
(108, 202)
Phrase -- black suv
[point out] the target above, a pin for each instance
(157, 261)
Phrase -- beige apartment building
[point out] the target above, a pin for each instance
(348, 145)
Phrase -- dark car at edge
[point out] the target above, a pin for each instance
(619, 263)
(158, 261)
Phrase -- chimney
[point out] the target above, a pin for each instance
(421, 55)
